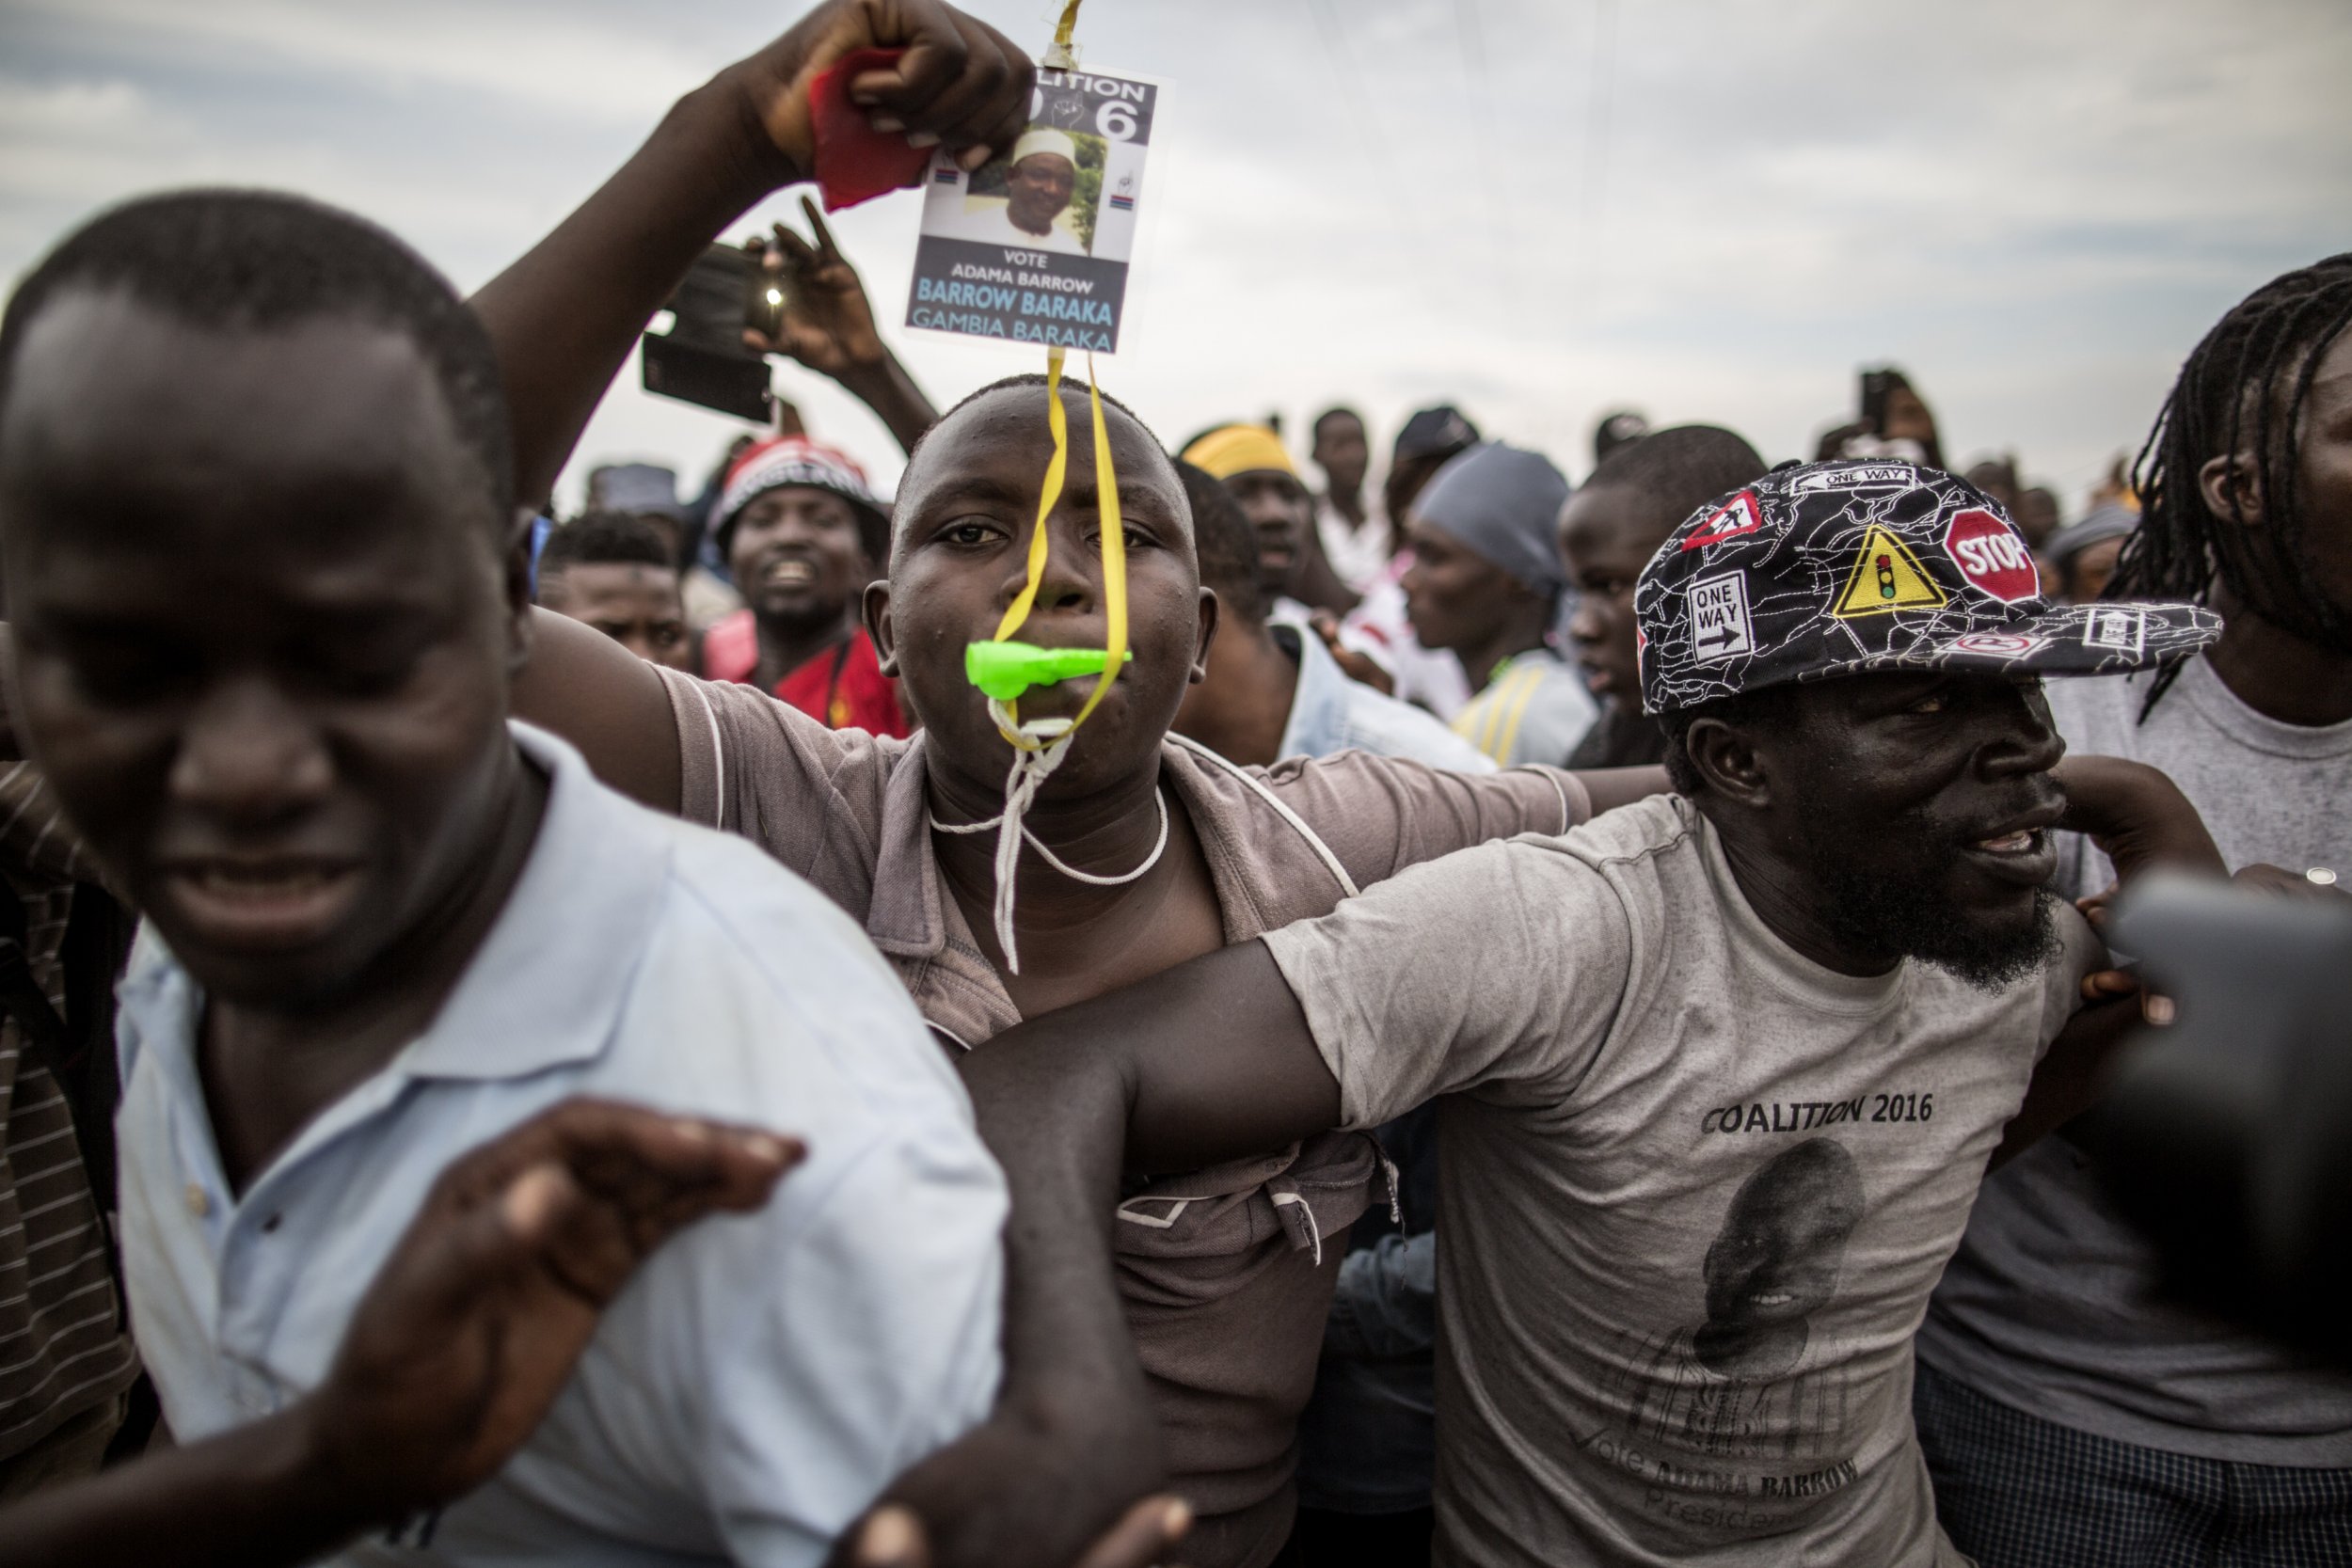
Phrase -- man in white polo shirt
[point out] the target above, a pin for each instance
(267, 595)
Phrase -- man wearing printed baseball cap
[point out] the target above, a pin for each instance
(802, 535)
(1721, 1070)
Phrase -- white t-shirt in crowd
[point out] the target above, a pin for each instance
(1694, 1191)
(1357, 552)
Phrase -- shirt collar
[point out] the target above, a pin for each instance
(548, 981)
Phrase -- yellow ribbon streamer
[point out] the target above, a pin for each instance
(1114, 543)
(1058, 55)
(1055, 468)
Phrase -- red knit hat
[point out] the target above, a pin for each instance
(785, 460)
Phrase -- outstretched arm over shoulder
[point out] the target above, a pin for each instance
(1210, 1060)
(564, 318)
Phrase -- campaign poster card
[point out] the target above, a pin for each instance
(1033, 247)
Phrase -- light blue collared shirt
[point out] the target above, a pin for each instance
(765, 1375)
(1331, 714)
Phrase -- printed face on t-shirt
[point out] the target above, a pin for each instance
(1777, 1258)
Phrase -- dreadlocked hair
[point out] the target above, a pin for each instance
(2256, 365)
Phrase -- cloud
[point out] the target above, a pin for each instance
(563, 61)
(1710, 208)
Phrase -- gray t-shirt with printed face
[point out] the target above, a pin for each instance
(2049, 1307)
(1694, 1191)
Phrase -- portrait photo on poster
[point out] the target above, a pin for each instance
(1035, 247)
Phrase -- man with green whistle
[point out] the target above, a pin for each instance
(1225, 1291)
(1242, 851)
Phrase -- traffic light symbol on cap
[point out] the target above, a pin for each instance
(1887, 576)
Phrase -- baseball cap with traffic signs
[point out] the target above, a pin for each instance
(1826, 569)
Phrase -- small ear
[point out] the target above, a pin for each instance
(875, 608)
(1209, 612)
(2233, 477)
(1731, 763)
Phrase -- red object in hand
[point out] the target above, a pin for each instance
(855, 162)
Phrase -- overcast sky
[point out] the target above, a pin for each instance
(1707, 210)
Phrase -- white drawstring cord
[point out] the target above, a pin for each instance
(1032, 765)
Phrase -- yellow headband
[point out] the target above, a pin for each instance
(1240, 449)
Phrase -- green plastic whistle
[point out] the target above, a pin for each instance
(1005, 669)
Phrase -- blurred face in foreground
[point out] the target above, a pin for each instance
(265, 627)
(965, 511)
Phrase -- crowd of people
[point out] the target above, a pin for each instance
(596, 1041)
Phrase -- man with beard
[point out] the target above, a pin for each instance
(1836, 928)
(803, 536)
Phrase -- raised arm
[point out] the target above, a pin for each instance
(564, 317)
(827, 323)
(1205, 1062)
(460, 1346)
